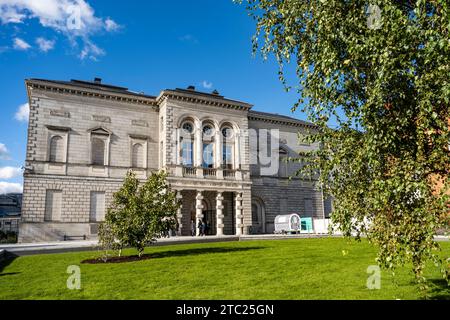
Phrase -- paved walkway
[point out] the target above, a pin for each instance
(85, 245)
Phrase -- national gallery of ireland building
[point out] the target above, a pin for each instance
(226, 161)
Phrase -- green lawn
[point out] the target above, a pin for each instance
(327, 268)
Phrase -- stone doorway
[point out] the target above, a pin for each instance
(258, 216)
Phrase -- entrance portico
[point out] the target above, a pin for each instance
(222, 210)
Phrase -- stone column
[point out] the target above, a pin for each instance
(219, 211)
(179, 214)
(247, 210)
(218, 149)
(237, 150)
(198, 210)
(178, 148)
(239, 215)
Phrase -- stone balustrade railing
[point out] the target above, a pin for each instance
(208, 173)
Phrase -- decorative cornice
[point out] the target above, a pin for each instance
(133, 98)
(90, 93)
(198, 99)
(58, 128)
(100, 130)
(141, 137)
(280, 120)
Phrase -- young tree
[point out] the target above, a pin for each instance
(139, 215)
(380, 69)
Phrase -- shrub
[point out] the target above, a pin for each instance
(139, 215)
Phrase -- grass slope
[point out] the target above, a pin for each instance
(327, 268)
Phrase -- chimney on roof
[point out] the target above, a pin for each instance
(215, 92)
(191, 88)
(98, 80)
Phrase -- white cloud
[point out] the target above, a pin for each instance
(44, 44)
(73, 18)
(10, 172)
(91, 51)
(23, 113)
(10, 14)
(186, 38)
(10, 187)
(111, 25)
(20, 44)
(4, 153)
(207, 85)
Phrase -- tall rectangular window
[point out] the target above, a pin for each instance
(227, 158)
(187, 153)
(98, 151)
(161, 153)
(208, 155)
(97, 212)
(309, 208)
(283, 163)
(53, 204)
(328, 207)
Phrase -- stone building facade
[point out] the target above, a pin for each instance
(225, 160)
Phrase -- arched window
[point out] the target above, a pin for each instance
(187, 144)
(227, 148)
(258, 216)
(208, 146)
(208, 155)
(56, 149)
(98, 152)
(188, 127)
(137, 156)
(255, 212)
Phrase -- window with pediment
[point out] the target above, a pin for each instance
(100, 140)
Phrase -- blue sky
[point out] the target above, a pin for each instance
(142, 45)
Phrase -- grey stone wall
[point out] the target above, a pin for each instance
(75, 206)
(281, 196)
(76, 193)
(288, 140)
(81, 114)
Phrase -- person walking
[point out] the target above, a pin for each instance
(200, 227)
(192, 228)
(203, 227)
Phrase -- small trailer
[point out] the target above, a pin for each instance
(287, 223)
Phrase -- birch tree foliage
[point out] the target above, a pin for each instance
(381, 71)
